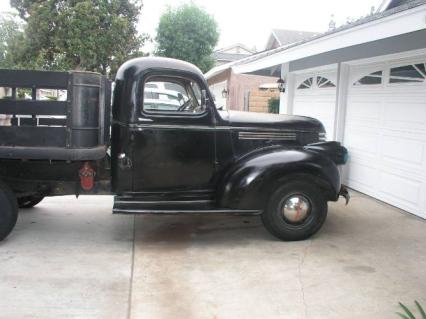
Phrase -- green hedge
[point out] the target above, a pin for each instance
(274, 105)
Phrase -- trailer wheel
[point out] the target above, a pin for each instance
(8, 211)
(29, 201)
(295, 211)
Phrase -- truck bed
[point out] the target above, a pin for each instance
(73, 129)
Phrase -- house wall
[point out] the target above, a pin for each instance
(240, 85)
(216, 89)
(215, 85)
(223, 76)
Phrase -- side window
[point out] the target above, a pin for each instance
(151, 85)
(171, 95)
(408, 73)
(371, 79)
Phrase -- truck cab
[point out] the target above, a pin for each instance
(170, 151)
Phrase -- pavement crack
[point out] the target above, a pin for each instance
(132, 267)
(302, 287)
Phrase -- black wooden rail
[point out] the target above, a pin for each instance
(63, 130)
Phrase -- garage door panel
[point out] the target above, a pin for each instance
(328, 125)
(393, 189)
(401, 188)
(362, 140)
(317, 102)
(385, 132)
(325, 107)
(413, 209)
(360, 157)
(304, 106)
(403, 114)
(404, 151)
(320, 110)
(361, 173)
(314, 108)
(364, 112)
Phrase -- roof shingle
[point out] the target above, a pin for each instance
(290, 36)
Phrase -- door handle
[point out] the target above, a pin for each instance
(124, 162)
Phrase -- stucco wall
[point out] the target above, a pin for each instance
(239, 85)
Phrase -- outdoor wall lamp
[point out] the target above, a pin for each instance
(225, 93)
(281, 85)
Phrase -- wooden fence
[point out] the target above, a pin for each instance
(258, 100)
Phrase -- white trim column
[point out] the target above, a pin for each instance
(341, 101)
(287, 98)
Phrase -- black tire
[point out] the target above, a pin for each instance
(275, 221)
(8, 211)
(29, 201)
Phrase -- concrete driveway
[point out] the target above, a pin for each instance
(71, 258)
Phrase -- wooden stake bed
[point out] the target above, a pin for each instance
(76, 128)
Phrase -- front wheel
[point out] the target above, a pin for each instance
(8, 211)
(295, 211)
(29, 201)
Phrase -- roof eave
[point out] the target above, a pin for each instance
(407, 21)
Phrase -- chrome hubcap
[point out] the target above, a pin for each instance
(296, 209)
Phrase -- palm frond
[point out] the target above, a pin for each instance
(407, 311)
(402, 315)
(422, 312)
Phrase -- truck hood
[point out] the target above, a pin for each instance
(271, 121)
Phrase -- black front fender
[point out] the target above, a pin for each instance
(251, 180)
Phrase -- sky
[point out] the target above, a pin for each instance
(250, 22)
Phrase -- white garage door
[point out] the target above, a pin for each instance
(385, 133)
(315, 96)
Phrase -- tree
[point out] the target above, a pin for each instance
(10, 31)
(23, 7)
(188, 33)
(92, 35)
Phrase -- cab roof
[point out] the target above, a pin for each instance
(138, 65)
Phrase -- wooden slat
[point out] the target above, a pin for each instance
(32, 136)
(52, 122)
(30, 107)
(43, 121)
(30, 79)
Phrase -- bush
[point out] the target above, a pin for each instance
(274, 105)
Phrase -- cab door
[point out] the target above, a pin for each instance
(173, 145)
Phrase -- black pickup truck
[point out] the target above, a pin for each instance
(162, 148)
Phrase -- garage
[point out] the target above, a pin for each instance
(315, 96)
(385, 132)
(366, 82)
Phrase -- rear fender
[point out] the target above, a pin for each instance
(250, 181)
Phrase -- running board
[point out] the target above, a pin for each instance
(186, 211)
(172, 203)
(195, 195)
